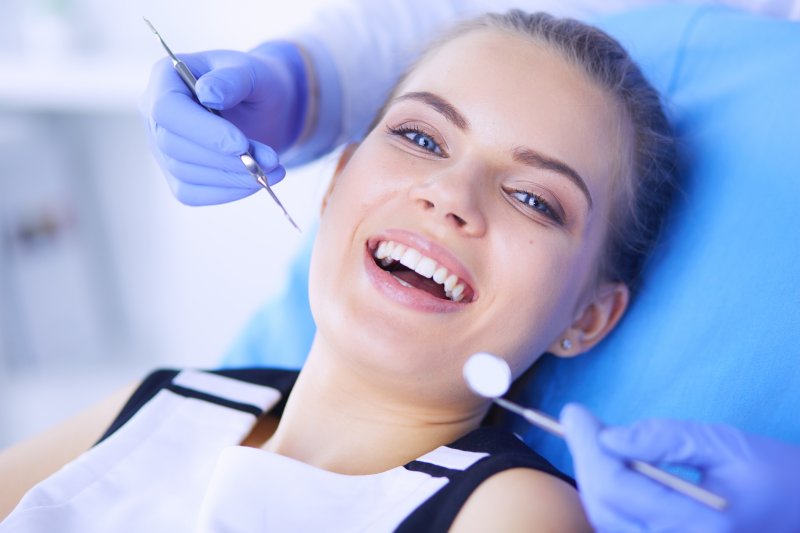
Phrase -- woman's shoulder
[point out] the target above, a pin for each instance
(483, 466)
(25, 464)
(522, 499)
(29, 462)
(516, 488)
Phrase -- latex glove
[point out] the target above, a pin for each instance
(759, 477)
(262, 96)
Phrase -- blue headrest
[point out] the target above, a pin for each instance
(715, 332)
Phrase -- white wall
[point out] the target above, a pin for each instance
(128, 278)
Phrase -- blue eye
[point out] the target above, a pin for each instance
(419, 138)
(537, 203)
(423, 141)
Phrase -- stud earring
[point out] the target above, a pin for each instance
(566, 344)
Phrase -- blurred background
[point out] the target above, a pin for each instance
(103, 275)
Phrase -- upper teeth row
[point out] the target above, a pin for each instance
(388, 252)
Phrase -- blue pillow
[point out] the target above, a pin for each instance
(715, 332)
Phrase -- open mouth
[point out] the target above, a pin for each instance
(412, 269)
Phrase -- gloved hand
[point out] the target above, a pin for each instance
(262, 98)
(759, 477)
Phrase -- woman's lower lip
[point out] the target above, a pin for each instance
(393, 289)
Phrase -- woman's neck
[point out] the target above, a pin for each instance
(342, 418)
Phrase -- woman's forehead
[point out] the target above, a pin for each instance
(497, 69)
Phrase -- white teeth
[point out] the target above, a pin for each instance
(389, 252)
(403, 283)
(381, 252)
(440, 275)
(411, 258)
(426, 267)
(458, 290)
(398, 251)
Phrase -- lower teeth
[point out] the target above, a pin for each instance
(403, 283)
(408, 285)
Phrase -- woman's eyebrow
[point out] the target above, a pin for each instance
(532, 158)
(523, 155)
(439, 104)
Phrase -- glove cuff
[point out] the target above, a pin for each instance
(324, 124)
(299, 67)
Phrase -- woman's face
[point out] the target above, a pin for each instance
(493, 163)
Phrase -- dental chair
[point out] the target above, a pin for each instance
(714, 334)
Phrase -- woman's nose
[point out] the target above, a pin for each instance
(455, 198)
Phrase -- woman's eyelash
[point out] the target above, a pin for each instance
(425, 141)
(418, 137)
(537, 203)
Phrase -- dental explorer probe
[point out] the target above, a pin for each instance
(489, 376)
(247, 158)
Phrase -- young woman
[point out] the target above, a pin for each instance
(502, 202)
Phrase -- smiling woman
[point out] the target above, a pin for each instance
(481, 213)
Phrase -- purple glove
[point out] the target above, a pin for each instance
(759, 477)
(262, 96)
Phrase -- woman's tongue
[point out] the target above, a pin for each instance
(420, 282)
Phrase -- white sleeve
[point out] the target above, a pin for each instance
(359, 48)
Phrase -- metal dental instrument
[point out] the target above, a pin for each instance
(490, 377)
(672, 481)
(247, 158)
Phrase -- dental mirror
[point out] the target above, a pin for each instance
(487, 375)
(490, 376)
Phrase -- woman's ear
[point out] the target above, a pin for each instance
(596, 320)
(344, 157)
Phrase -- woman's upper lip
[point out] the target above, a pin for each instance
(427, 247)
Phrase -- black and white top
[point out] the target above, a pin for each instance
(171, 462)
